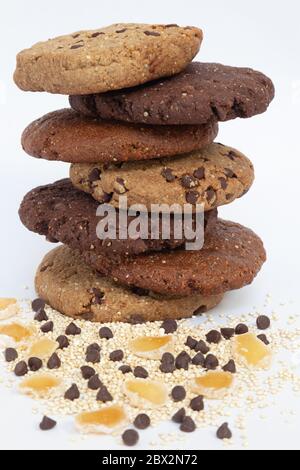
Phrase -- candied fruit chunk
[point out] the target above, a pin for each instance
(42, 348)
(151, 347)
(16, 331)
(105, 420)
(252, 351)
(39, 384)
(213, 384)
(141, 392)
(5, 303)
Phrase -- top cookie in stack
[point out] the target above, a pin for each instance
(142, 123)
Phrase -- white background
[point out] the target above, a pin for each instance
(261, 34)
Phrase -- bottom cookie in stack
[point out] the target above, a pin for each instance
(70, 286)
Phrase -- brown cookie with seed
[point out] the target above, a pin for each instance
(74, 289)
(201, 92)
(67, 136)
(213, 176)
(63, 213)
(231, 257)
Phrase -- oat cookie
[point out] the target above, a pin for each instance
(118, 56)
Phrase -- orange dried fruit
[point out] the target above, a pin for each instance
(213, 384)
(39, 384)
(146, 393)
(17, 332)
(151, 347)
(42, 348)
(251, 351)
(8, 308)
(107, 420)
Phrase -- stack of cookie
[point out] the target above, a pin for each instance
(142, 123)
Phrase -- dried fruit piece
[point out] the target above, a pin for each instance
(17, 332)
(107, 420)
(251, 351)
(8, 308)
(43, 348)
(213, 384)
(146, 393)
(39, 384)
(151, 347)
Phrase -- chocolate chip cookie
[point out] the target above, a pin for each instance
(213, 176)
(68, 285)
(231, 257)
(118, 56)
(67, 136)
(62, 213)
(201, 92)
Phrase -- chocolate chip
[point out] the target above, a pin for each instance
(263, 322)
(191, 197)
(47, 327)
(223, 183)
(179, 416)
(188, 181)
(93, 356)
(54, 362)
(106, 197)
(139, 291)
(38, 304)
(211, 362)
(178, 393)
(224, 432)
(116, 356)
(173, 25)
(87, 372)
(168, 175)
(104, 395)
(241, 329)
(199, 173)
(142, 421)
(10, 354)
(75, 36)
(98, 296)
(73, 329)
(167, 365)
(198, 360)
(105, 333)
(76, 46)
(210, 194)
(213, 337)
(232, 155)
(170, 326)
(93, 347)
(151, 33)
(197, 403)
(227, 333)
(130, 437)
(34, 364)
(187, 425)
(183, 361)
(94, 383)
(94, 175)
(228, 172)
(202, 347)
(120, 187)
(47, 424)
(95, 35)
(21, 369)
(191, 342)
(230, 367)
(140, 372)
(264, 339)
(121, 30)
(63, 342)
(72, 393)
(125, 369)
(41, 315)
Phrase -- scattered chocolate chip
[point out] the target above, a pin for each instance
(35, 364)
(228, 172)
(21, 369)
(263, 322)
(213, 337)
(95, 175)
(223, 183)
(130, 437)
(140, 372)
(183, 361)
(10, 354)
(227, 333)
(38, 304)
(264, 339)
(151, 33)
(125, 369)
(188, 424)
(98, 296)
(73, 329)
(105, 333)
(104, 395)
(142, 421)
(41, 315)
(224, 432)
(202, 347)
(95, 35)
(197, 403)
(93, 347)
(93, 356)
(198, 360)
(179, 416)
(47, 327)
(211, 362)
(94, 383)
(87, 372)
(191, 197)
(168, 175)
(121, 30)
(173, 25)
(167, 365)
(230, 367)
(241, 329)
(72, 393)
(47, 424)
(76, 46)
(199, 173)
(210, 194)
(191, 342)
(116, 356)
(63, 342)
(188, 181)
(54, 362)
(178, 393)
(170, 326)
